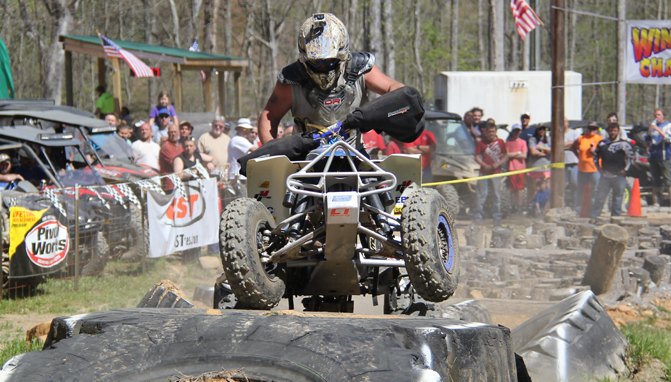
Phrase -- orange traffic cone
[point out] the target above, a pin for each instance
(635, 200)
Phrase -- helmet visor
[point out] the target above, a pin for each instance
(323, 66)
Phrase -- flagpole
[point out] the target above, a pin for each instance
(116, 78)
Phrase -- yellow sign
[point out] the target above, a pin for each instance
(21, 220)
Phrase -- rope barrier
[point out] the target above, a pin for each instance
(499, 175)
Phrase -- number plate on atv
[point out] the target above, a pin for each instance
(342, 208)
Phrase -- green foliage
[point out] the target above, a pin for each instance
(647, 341)
(15, 347)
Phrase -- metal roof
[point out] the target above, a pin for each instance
(92, 45)
(59, 116)
(33, 135)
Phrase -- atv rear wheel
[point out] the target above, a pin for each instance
(430, 245)
(449, 192)
(255, 284)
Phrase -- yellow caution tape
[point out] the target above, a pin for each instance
(559, 165)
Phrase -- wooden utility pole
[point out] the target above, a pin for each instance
(558, 63)
(621, 46)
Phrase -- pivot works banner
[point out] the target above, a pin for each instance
(38, 242)
(180, 222)
(648, 59)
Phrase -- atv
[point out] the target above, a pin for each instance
(336, 225)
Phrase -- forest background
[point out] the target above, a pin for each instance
(412, 41)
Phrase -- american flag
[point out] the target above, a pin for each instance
(139, 68)
(196, 48)
(526, 19)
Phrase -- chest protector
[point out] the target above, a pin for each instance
(310, 104)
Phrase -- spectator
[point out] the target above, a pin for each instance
(527, 132)
(105, 102)
(6, 175)
(189, 158)
(255, 135)
(424, 145)
(280, 131)
(393, 147)
(491, 155)
(215, 143)
(613, 156)
(373, 143)
(540, 153)
(571, 165)
(542, 197)
(126, 116)
(241, 144)
(124, 132)
(185, 131)
(659, 136)
(160, 130)
(170, 149)
(472, 128)
(612, 118)
(163, 103)
(588, 176)
(112, 120)
(145, 150)
(517, 159)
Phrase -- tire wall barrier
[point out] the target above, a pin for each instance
(574, 340)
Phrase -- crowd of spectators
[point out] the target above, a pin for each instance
(596, 164)
(167, 145)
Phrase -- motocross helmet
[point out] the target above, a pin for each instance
(323, 48)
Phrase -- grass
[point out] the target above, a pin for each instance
(647, 341)
(121, 286)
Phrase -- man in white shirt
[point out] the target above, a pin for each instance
(571, 165)
(240, 145)
(145, 150)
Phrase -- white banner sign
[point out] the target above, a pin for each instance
(648, 59)
(181, 222)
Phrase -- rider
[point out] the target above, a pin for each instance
(326, 82)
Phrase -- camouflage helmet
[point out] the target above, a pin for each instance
(323, 48)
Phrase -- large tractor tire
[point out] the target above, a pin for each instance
(430, 245)
(255, 284)
(235, 345)
(449, 192)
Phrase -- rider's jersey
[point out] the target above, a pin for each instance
(312, 105)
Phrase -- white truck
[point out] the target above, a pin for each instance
(505, 96)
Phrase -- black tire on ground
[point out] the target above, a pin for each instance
(151, 345)
(139, 235)
(430, 245)
(96, 260)
(164, 294)
(254, 283)
(449, 192)
(574, 340)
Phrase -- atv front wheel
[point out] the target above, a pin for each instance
(255, 284)
(430, 245)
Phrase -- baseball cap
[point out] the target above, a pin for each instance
(5, 158)
(139, 123)
(593, 126)
(515, 126)
(163, 111)
(244, 123)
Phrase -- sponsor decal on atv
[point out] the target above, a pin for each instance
(47, 244)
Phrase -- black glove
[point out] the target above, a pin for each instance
(399, 113)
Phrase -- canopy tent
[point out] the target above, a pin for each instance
(181, 59)
(6, 81)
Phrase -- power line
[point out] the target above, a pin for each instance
(585, 13)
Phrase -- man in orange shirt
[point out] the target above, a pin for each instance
(588, 176)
